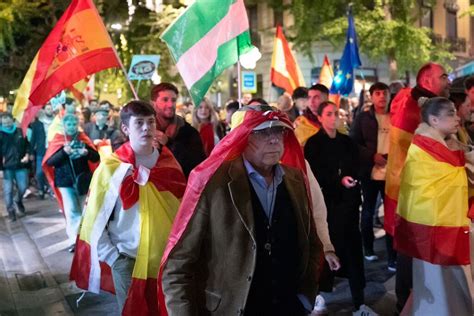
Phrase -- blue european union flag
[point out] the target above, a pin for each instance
(344, 78)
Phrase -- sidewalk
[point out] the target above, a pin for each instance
(35, 263)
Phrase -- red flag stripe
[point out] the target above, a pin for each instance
(434, 244)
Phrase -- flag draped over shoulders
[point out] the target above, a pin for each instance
(405, 117)
(431, 220)
(158, 202)
(77, 46)
(57, 143)
(229, 148)
(304, 129)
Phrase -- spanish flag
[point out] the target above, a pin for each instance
(405, 117)
(431, 221)
(304, 129)
(157, 202)
(326, 75)
(285, 72)
(77, 46)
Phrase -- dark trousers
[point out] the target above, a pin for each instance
(370, 190)
(403, 280)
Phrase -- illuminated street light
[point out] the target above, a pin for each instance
(116, 26)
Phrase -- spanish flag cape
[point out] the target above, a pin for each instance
(230, 147)
(405, 117)
(304, 129)
(57, 143)
(158, 201)
(431, 220)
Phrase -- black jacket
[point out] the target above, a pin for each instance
(364, 132)
(63, 174)
(38, 138)
(187, 148)
(13, 147)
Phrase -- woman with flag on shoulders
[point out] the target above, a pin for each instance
(206, 122)
(68, 165)
(432, 221)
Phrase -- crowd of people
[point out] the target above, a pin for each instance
(254, 209)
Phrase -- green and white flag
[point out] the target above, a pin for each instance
(208, 37)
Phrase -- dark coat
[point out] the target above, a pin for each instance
(364, 132)
(187, 148)
(13, 147)
(331, 159)
(210, 270)
(64, 176)
(38, 138)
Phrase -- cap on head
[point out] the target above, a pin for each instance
(239, 116)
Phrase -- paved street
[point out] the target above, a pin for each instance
(35, 263)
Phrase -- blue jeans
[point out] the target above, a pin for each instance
(20, 177)
(72, 211)
(40, 178)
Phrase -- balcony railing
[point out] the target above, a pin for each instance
(456, 44)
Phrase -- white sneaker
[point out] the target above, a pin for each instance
(364, 310)
(320, 307)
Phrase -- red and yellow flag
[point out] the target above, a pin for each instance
(77, 46)
(285, 72)
(431, 220)
(157, 203)
(326, 75)
(405, 117)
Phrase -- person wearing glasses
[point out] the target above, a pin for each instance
(244, 241)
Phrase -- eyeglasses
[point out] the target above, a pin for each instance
(270, 133)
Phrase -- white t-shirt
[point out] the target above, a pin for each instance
(383, 143)
(123, 232)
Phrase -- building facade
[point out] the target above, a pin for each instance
(447, 18)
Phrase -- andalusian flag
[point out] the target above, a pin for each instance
(405, 117)
(77, 46)
(208, 37)
(285, 72)
(432, 223)
(156, 199)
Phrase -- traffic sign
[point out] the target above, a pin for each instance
(249, 82)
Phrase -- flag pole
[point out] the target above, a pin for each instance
(125, 73)
(239, 83)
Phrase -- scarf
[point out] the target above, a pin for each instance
(9, 130)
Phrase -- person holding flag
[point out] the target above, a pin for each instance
(133, 198)
(244, 239)
(68, 164)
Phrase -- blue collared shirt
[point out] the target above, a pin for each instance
(266, 193)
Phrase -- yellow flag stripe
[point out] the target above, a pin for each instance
(432, 192)
(22, 98)
(157, 211)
